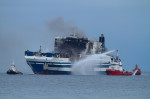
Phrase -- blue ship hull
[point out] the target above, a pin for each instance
(54, 68)
(38, 68)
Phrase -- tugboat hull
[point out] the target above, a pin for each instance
(13, 72)
(135, 71)
(118, 72)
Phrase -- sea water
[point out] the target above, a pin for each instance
(31, 86)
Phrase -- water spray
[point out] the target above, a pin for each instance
(86, 66)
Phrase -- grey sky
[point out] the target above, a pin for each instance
(125, 24)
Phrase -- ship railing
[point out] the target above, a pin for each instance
(48, 54)
(30, 53)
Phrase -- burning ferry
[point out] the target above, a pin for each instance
(67, 51)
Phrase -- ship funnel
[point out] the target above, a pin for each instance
(102, 38)
(102, 41)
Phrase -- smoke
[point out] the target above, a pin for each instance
(10, 42)
(59, 27)
(13, 43)
(86, 66)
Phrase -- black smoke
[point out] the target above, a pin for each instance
(59, 27)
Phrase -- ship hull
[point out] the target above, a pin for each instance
(64, 66)
(52, 68)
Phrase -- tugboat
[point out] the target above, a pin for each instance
(13, 70)
(135, 71)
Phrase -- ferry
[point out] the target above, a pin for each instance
(67, 51)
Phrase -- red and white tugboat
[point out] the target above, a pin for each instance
(135, 71)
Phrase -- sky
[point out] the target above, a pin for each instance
(24, 24)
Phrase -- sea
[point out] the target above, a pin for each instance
(31, 86)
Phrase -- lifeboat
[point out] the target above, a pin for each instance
(135, 71)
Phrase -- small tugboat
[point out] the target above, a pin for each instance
(13, 70)
(135, 71)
